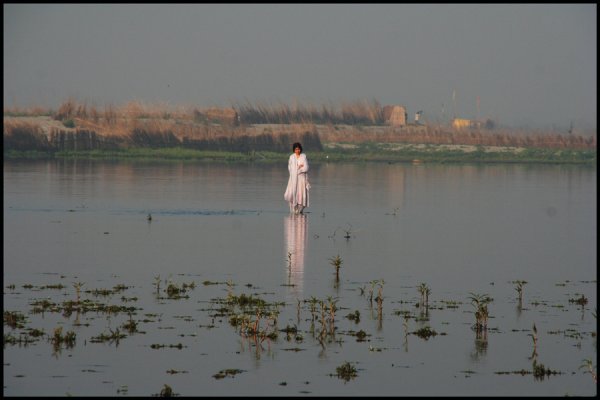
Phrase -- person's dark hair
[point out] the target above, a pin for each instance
(298, 145)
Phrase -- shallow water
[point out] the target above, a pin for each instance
(459, 229)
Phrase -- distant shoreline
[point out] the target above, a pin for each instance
(370, 152)
(187, 138)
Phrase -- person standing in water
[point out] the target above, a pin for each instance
(296, 193)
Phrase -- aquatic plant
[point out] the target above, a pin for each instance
(332, 309)
(587, 364)
(166, 391)
(14, 319)
(131, 325)
(78, 286)
(114, 336)
(231, 372)
(336, 262)
(535, 339)
(175, 292)
(519, 289)
(347, 234)
(355, 316)
(480, 302)
(361, 336)
(157, 284)
(540, 371)
(57, 339)
(425, 333)
(582, 301)
(379, 300)
(425, 291)
(346, 371)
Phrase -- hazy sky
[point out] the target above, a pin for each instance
(530, 65)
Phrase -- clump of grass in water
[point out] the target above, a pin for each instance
(480, 302)
(519, 288)
(166, 391)
(425, 291)
(540, 371)
(232, 372)
(114, 336)
(78, 286)
(582, 301)
(332, 309)
(131, 325)
(336, 262)
(425, 333)
(346, 371)
(355, 316)
(14, 319)
(57, 339)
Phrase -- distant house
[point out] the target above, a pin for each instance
(395, 115)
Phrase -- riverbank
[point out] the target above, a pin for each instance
(339, 152)
(163, 136)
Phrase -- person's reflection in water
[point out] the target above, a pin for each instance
(295, 231)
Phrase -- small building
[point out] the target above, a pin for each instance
(395, 115)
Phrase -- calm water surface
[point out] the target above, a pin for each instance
(458, 229)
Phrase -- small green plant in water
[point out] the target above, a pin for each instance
(519, 289)
(425, 291)
(166, 391)
(336, 262)
(131, 325)
(346, 371)
(480, 302)
(425, 333)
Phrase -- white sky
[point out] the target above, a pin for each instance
(530, 65)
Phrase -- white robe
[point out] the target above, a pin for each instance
(296, 192)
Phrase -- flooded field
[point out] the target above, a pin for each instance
(192, 279)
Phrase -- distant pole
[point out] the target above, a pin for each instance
(454, 101)
(478, 108)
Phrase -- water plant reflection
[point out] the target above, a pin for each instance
(295, 228)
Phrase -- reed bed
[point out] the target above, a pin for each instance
(245, 127)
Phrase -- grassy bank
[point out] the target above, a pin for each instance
(337, 152)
